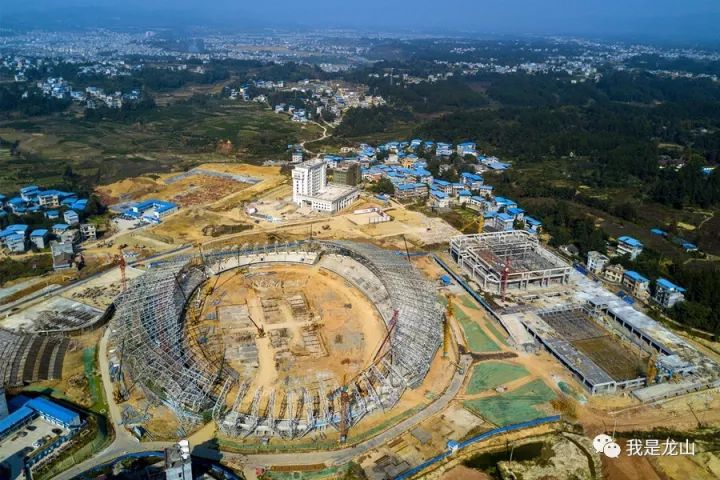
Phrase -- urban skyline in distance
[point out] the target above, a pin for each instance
(659, 21)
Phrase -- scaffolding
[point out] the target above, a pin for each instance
(160, 358)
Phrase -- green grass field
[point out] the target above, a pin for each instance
(487, 375)
(477, 339)
(469, 302)
(498, 332)
(519, 405)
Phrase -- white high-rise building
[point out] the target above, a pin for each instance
(310, 188)
(308, 179)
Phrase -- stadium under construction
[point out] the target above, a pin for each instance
(188, 369)
(607, 345)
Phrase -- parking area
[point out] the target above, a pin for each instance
(24, 441)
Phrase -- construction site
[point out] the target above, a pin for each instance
(606, 344)
(277, 340)
(508, 260)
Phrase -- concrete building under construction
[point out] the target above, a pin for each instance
(511, 260)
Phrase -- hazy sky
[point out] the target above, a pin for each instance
(656, 18)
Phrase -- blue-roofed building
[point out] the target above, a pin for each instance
(503, 203)
(515, 212)
(17, 205)
(658, 232)
(71, 217)
(60, 228)
(39, 237)
(466, 148)
(629, 246)
(667, 294)
(52, 214)
(472, 180)
(18, 228)
(415, 143)
(15, 421)
(54, 413)
(49, 199)
(464, 196)
(66, 202)
(689, 247)
(29, 193)
(476, 202)
(485, 190)
(79, 205)
(635, 283)
(3, 199)
(152, 210)
(16, 243)
(503, 222)
(532, 225)
(439, 199)
(411, 190)
(457, 188)
(442, 185)
(443, 150)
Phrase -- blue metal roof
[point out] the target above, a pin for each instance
(17, 227)
(689, 246)
(667, 284)
(40, 232)
(633, 242)
(635, 276)
(18, 416)
(60, 226)
(53, 410)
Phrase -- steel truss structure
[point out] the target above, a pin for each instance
(149, 323)
(485, 256)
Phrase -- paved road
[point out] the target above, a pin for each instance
(126, 443)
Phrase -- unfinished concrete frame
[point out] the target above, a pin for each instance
(484, 257)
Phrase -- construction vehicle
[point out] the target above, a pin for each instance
(651, 373)
(260, 329)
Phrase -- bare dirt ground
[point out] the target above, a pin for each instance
(345, 324)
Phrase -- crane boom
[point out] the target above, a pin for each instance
(391, 327)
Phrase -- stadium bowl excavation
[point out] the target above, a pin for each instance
(279, 340)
